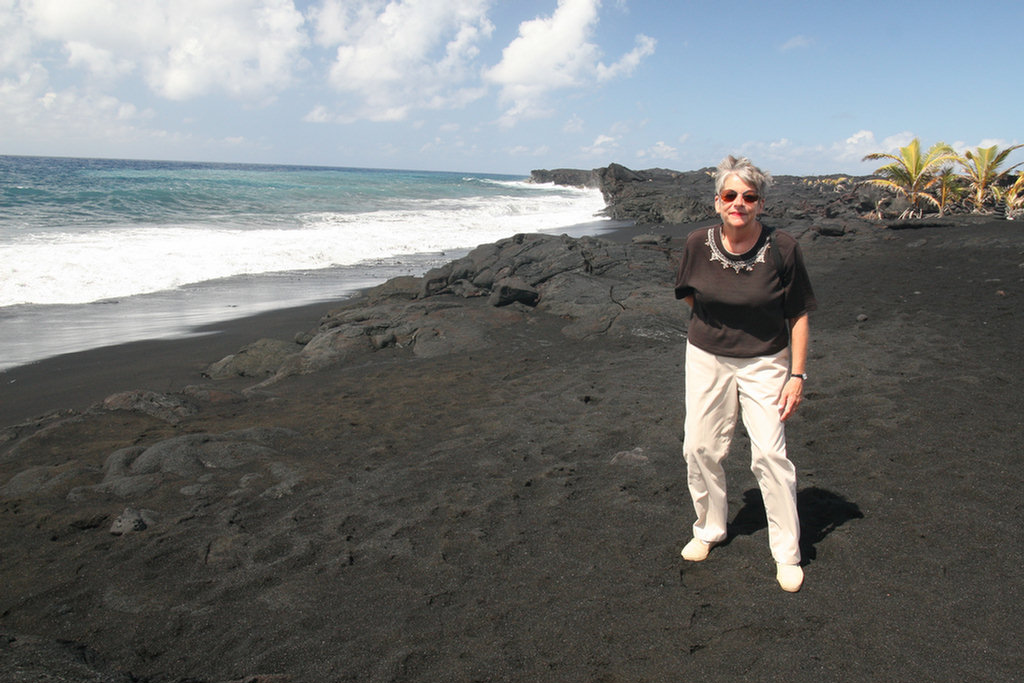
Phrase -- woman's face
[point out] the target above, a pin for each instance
(738, 213)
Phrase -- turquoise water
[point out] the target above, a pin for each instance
(44, 194)
(171, 245)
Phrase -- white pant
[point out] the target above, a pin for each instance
(717, 389)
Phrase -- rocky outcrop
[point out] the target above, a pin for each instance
(171, 409)
(571, 177)
(586, 286)
(660, 195)
(259, 359)
(656, 195)
(197, 463)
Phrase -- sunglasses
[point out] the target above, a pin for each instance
(731, 195)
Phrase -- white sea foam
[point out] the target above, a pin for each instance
(108, 262)
(98, 252)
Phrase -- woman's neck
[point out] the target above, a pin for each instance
(740, 240)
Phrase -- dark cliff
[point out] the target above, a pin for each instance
(658, 195)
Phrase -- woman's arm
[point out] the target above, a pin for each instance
(792, 393)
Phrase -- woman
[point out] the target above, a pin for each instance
(746, 353)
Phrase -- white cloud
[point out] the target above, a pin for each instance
(573, 125)
(62, 67)
(97, 60)
(961, 146)
(430, 145)
(630, 61)
(555, 53)
(795, 43)
(988, 142)
(602, 145)
(248, 49)
(319, 114)
(34, 111)
(784, 156)
(523, 150)
(71, 71)
(863, 142)
(406, 54)
(32, 108)
(333, 20)
(660, 150)
(99, 63)
(16, 45)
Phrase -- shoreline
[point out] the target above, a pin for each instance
(76, 380)
(33, 332)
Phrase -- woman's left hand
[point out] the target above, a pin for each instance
(792, 397)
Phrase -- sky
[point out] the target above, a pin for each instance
(507, 86)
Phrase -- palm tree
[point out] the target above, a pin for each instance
(949, 188)
(1013, 196)
(911, 174)
(981, 168)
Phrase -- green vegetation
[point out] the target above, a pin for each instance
(930, 178)
(911, 175)
(1013, 196)
(949, 188)
(840, 184)
(981, 169)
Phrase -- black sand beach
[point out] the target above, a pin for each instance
(513, 510)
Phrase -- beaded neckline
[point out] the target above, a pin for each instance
(728, 260)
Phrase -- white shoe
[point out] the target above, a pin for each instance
(697, 550)
(790, 577)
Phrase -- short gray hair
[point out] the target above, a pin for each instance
(743, 169)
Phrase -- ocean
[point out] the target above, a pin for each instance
(96, 252)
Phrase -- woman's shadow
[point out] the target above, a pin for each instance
(821, 512)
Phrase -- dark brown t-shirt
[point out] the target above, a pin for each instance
(742, 303)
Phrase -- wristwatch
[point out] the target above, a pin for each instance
(801, 375)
